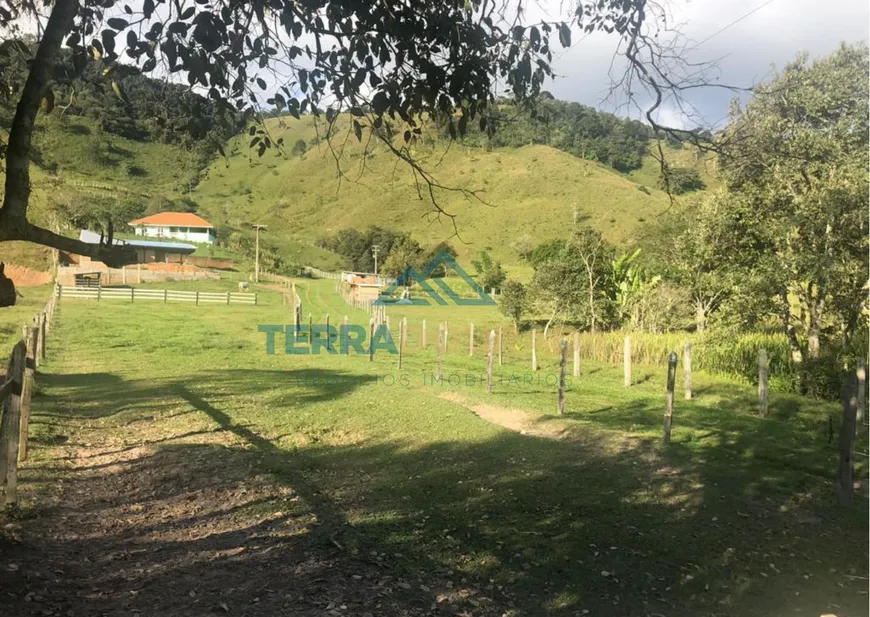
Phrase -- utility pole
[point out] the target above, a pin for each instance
(375, 249)
(257, 253)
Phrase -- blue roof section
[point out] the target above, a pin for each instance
(161, 245)
(94, 238)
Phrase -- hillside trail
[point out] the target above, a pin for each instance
(170, 513)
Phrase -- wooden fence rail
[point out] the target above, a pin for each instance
(134, 294)
(16, 389)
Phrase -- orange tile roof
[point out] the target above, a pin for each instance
(175, 219)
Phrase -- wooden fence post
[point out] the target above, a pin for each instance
(132, 294)
(124, 275)
(763, 371)
(31, 335)
(139, 273)
(861, 374)
(371, 339)
(489, 359)
(576, 354)
(500, 347)
(99, 292)
(42, 341)
(845, 485)
(10, 424)
(197, 298)
(165, 296)
(36, 359)
(423, 336)
(283, 298)
(626, 361)
(669, 403)
(471, 339)
(328, 338)
(534, 349)
(563, 361)
(446, 336)
(401, 341)
(404, 331)
(442, 337)
(687, 368)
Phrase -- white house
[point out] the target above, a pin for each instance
(181, 225)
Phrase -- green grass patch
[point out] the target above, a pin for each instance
(31, 300)
(728, 520)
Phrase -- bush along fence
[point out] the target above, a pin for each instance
(15, 394)
(133, 294)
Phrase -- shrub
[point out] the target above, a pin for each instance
(680, 180)
(299, 147)
(512, 302)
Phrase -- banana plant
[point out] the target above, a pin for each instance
(629, 282)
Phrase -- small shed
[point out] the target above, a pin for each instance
(363, 288)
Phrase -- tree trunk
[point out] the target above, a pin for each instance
(7, 288)
(591, 301)
(550, 322)
(13, 213)
(814, 328)
(700, 316)
(796, 353)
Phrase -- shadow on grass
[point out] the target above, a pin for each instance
(507, 523)
(101, 395)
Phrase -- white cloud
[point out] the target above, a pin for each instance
(772, 35)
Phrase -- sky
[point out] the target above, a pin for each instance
(772, 35)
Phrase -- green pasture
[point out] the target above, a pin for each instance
(583, 514)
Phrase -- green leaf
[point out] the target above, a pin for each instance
(117, 23)
(564, 35)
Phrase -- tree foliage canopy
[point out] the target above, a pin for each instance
(386, 63)
(797, 173)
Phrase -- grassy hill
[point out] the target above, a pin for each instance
(531, 191)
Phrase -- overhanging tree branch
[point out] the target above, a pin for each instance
(13, 215)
